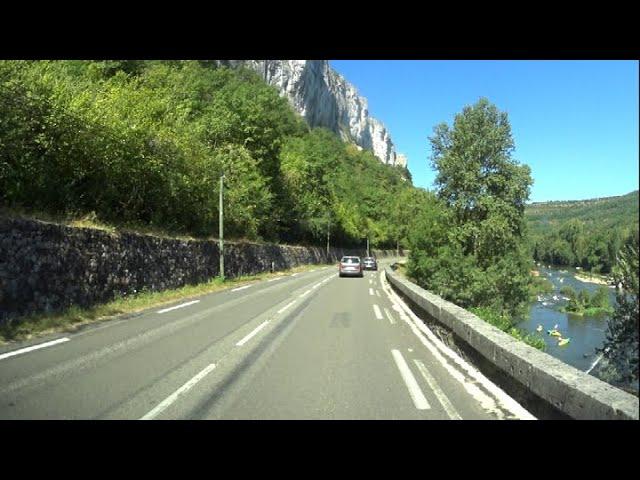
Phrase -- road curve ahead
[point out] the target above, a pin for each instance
(303, 346)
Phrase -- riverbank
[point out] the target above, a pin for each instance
(590, 312)
(592, 279)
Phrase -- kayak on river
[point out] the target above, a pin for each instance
(563, 341)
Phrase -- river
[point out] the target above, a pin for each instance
(586, 333)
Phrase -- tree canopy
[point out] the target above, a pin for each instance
(471, 248)
(144, 143)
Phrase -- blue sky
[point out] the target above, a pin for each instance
(575, 123)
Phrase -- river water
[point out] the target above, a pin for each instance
(586, 333)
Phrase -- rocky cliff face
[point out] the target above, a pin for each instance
(325, 99)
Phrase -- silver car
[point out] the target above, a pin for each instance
(351, 266)
(370, 263)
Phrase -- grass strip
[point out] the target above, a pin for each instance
(74, 317)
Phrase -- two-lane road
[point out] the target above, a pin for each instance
(303, 346)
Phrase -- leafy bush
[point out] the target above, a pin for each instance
(505, 324)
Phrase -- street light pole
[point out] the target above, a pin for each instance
(328, 230)
(221, 233)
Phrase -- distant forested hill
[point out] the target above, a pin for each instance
(586, 233)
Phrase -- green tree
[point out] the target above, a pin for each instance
(600, 298)
(484, 260)
(621, 345)
(405, 209)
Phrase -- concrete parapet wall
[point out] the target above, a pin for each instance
(569, 390)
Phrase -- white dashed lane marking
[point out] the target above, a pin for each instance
(416, 394)
(178, 306)
(34, 347)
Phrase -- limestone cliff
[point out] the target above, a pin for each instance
(325, 99)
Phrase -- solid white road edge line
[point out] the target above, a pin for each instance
(391, 320)
(34, 347)
(442, 398)
(435, 346)
(376, 310)
(253, 332)
(178, 306)
(174, 396)
(416, 394)
(371, 291)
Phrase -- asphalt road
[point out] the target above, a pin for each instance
(304, 346)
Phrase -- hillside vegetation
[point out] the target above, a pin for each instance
(144, 143)
(587, 233)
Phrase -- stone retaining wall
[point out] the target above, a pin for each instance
(47, 267)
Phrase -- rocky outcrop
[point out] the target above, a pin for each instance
(325, 99)
(46, 267)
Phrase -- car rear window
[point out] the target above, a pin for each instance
(350, 260)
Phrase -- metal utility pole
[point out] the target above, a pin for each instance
(265, 71)
(328, 229)
(368, 246)
(221, 233)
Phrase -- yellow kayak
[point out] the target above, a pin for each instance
(555, 333)
(563, 341)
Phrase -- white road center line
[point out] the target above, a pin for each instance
(178, 306)
(286, 306)
(174, 396)
(442, 398)
(376, 310)
(274, 279)
(34, 347)
(416, 394)
(303, 294)
(294, 274)
(370, 282)
(253, 332)
(371, 291)
(377, 293)
(240, 288)
(391, 320)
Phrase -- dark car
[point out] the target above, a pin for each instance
(351, 266)
(370, 263)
